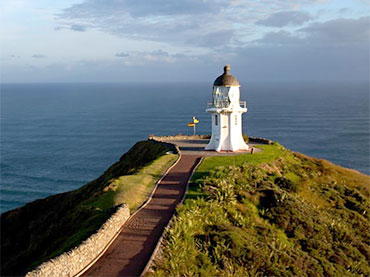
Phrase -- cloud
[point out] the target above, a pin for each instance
(333, 50)
(213, 38)
(154, 57)
(39, 56)
(140, 8)
(73, 27)
(335, 33)
(285, 18)
(279, 38)
(122, 55)
(160, 53)
(341, 31)
(195, 23)
(344, 10)
(78, 28)
(147, 57)
(190, 22)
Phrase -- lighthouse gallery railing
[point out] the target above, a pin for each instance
(225, 104)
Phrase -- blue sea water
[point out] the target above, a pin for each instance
(57, 137)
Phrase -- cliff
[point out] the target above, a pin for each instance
(45, 228)
(275, 213)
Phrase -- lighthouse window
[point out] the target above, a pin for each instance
(216, 119)
(236, 120)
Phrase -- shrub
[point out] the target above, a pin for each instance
(285, 184)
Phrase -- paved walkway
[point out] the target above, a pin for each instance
(196, 147)
(130, 252)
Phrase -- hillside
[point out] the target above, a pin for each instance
(276, 213)
(47, 227)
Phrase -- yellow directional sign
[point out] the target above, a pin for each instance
(193, 124)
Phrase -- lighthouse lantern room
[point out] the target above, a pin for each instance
(226, 111)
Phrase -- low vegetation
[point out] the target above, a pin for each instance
(133, 189)
(275, 213)
(48, 227)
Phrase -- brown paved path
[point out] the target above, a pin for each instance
(130, 252)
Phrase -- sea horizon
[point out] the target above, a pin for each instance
(58, 136)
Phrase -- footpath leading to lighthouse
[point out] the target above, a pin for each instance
(130, 252)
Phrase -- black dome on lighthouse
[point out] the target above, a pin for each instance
(226, 79)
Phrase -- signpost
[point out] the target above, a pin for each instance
(193, 124)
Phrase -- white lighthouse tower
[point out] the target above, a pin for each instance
(226, 111)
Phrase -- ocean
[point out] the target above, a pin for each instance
(57, 137)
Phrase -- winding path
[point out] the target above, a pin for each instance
(130, 252)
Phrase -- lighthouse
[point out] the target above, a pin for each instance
(226, 111)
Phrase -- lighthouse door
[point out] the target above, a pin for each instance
(224, 131)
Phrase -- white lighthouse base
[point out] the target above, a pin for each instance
(217, 145)
(226, 132)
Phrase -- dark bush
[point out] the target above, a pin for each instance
(285, 184)
(269, 198)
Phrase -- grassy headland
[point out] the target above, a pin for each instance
(48, 227)
(275, 213)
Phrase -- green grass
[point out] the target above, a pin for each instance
(269, 153)
(278, 213)
(133, 189)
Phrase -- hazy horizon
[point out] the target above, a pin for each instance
(209, 82)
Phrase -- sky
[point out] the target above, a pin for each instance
(186, 41)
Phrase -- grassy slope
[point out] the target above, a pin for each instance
(210, 164)
(276, 213)
(47, 227)
(133, 189)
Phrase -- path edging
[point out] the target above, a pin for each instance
(159, 243)
(71, 262)
(131, 216)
